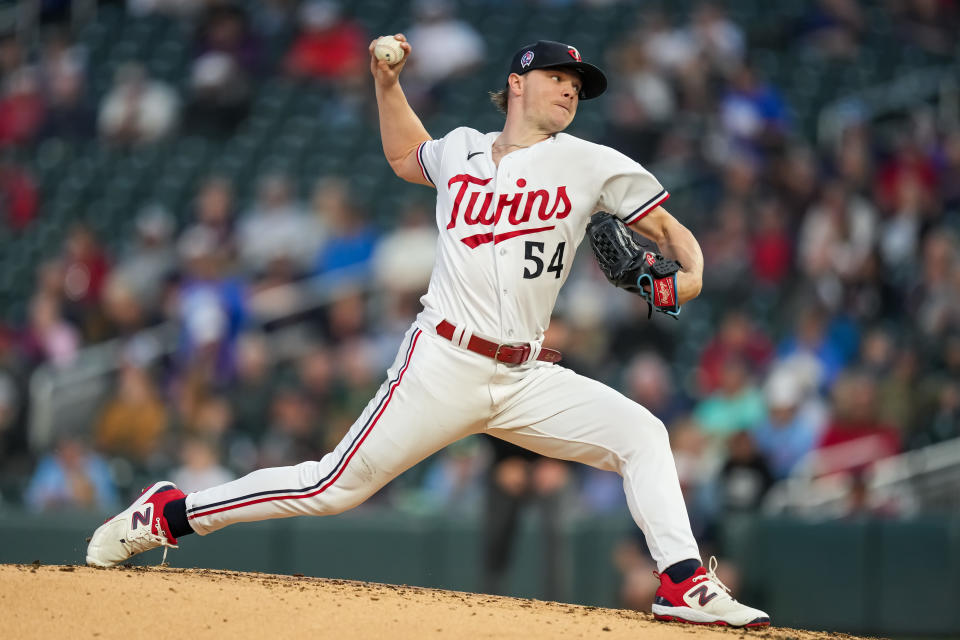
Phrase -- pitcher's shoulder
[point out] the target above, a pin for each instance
(579, 145)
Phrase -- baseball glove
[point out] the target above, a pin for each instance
(629, 264)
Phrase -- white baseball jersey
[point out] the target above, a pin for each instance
(508, 235)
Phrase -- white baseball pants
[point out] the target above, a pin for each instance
(437, 393)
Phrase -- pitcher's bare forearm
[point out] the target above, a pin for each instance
(677, 243)
(401, 131)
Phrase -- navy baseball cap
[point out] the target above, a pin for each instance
(547, 54)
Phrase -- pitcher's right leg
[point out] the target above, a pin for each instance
(404, 423)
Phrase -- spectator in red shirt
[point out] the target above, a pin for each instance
(770, 244)
(736, 339)
(855, 419)
(21, 108)
(329, 45)
(18, 195)
(85, 271)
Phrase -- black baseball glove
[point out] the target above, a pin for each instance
(630, 265)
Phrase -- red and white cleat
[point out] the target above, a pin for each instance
(703, 599)
(139, 528)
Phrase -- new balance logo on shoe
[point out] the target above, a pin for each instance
(141, 517)
(701, 593)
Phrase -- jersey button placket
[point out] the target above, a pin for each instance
(503, 177)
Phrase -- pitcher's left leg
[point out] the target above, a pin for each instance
(558, 413)
(553, 411)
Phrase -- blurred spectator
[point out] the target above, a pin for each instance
(291, 437)
(225, 28)
(669, 47)
(21, 108)
(277, 229)
(788, 433)
(209, 416)
(228, 56)
(855, 420)
(944, 421)
(719, 41)
(252, 391)
(831, 28)
(811, 336)
(445, 49)
(452, 483)
(211, 309)
(519, 478)
(900, 234)
(753, 114)
(220, 95)
(908, 166)
(899, 402)
(121, 309)
(736, 404)
(640, 105)
(214, 211)
(403, 259)
(935, 296)
(358, 380)
(63, 82)
(137, 110)
(726, 250)
(12, 55)
(949, 172)
(929, 24)
(736, 337)
(649, 381)
(697, 463)
(445, 46)
(745, 477)
(49, 338)
(350, 238)
(151, 259)
(134, 419)
(796, 180)
(771, 245)
(85, 271)
(71, 477)
(19, 196)
(329, 46)
(200, 467)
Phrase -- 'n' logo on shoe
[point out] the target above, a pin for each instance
(142, 518)
(701, 593)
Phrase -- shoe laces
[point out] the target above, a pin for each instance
(143, 538)
(711, 575)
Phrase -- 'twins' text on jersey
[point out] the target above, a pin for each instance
(508, 233)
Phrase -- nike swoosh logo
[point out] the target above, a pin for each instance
(475, 153)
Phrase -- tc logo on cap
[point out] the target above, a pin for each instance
(573, 53)
(527, 59)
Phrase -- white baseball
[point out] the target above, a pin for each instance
(388, 48)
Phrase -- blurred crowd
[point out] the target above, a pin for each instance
(827, 337)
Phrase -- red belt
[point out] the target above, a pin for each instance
(507, 353)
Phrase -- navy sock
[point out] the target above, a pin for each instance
(682, 570)
(175, 513)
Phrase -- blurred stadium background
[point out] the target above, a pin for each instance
(206, 265)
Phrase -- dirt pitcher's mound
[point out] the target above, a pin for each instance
(81, 602)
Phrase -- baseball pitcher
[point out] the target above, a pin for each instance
(512, 206)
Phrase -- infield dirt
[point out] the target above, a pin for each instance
(136, 602)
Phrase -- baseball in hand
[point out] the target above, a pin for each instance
(388, 48)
